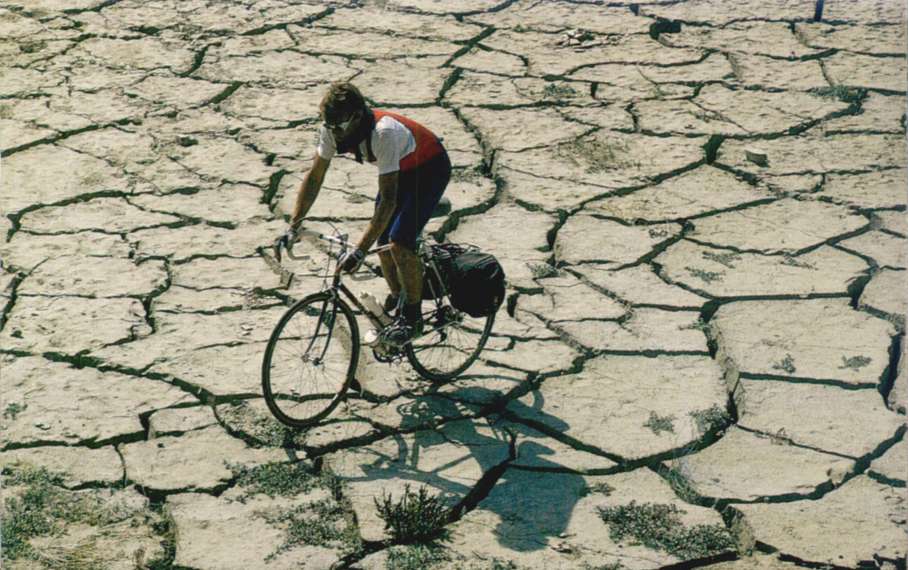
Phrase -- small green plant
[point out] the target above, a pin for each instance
(612, 566)
(705, 276)
(264, 428)
(415, 557)
(659, 526)
(786, 365)
(415, 517)
(13, 409)
(44, 507)
(556, 91)
(794, 262)
(32, 47)
(657, 233)
(599, 489)
(282, 479)
(678, 478)
(321, 523)
(843, 93)
(698, 325)
(166, 528)
(659, 424)
(726, 259)
(855, 362)
(6, 112)
(710, 418)
(543, 270)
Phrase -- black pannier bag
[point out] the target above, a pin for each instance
(476, 283)
(475, 280)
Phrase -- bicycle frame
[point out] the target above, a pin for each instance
(337, 287)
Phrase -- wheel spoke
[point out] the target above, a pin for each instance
(309, 362)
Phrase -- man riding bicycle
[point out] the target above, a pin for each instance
(413, 172)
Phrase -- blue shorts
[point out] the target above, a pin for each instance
(418, 192)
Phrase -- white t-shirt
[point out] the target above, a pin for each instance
(391, 142)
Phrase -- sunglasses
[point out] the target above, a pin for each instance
(339, 126)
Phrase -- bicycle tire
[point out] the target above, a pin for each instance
(420, 349)
(301, 402)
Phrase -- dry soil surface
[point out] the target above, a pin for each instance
(700, 206)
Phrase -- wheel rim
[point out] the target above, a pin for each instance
(308, 363)
(454, 345)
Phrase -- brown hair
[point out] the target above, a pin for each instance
(342, 100)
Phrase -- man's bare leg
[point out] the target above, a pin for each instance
(389, 271)
(409, 271)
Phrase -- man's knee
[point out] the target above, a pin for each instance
(399, 249)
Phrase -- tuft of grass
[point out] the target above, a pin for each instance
(612, 566)
(543, 270)
(265, 429)
(282, 479)
(659, 526)
(786, 365)
(705, 276)
(324, 522)
(843, 93)
(855, 362)
(415, 557)
(414, 517)
(44, 508)
(659, 424)
(13, 409)
(726, 259)
(166, 528)
(710, 418)
(599, 489)
(556, 91)
(795, 262)
(320, 523)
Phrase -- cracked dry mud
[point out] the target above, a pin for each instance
(691, 332)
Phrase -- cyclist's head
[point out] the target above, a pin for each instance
(342, 102)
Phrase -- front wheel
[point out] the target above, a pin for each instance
(451, 342)
(310, 360)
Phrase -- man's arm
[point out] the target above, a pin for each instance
(387, 189)
(309, 190)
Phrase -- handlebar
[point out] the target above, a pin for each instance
(339, 239)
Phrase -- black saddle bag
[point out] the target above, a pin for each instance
(474, 279)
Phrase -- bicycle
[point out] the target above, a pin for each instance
(312, 355)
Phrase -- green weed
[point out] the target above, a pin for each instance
(659, 526)
(13, 409)
(44, 508)
(786, 365)
(659, 424)
(855, 362)
(543, 270)
(415, 557)
(726, 259)
(282, 479)
(710, 418)
(843, 93)
(599, 489)
(556, 91)
(321, 523)
(415, 517)
(705, 276)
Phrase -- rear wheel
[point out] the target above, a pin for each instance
(451, 342)
(310, 360)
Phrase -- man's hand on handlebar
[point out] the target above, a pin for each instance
(351, 261)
